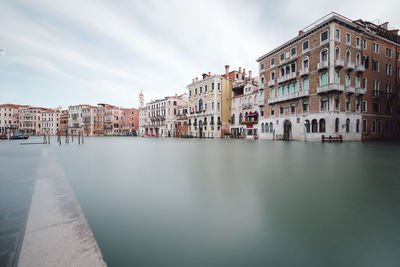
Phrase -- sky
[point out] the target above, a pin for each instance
(93, 51)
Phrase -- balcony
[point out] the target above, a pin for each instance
(288, 97)
(339, 63)
(304, 71)
(261, 102)
(332, 87)
(350, 66)
(360, 68)
(360, 91)
(349, 89)
(323, 65)
(271, 83)
(244, 106)
(287, 77)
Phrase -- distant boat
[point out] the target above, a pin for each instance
(19, 136)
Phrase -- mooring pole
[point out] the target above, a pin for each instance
(83, 133)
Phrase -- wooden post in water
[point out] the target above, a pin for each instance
(79, 137)
(72, 136)
(48, 135)
(83, 133)
(44, 137)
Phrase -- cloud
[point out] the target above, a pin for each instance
(85, 51)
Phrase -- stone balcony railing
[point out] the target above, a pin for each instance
(360, 68)
(288, 97)
(349, 89)
(330, 87)
(361, 91)
(339, 63)
(261, 102)
(323, 65)
(287, 77)
(304, 71)
(271, 83)
(350, 66)
(247, 106)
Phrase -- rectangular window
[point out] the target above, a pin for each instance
(364, 126)
(305, 84)
(364, 43)
(375, 65)
(374, 126)
(364, 106)
(305, 106)
(389, 69)
(337, 34)
(219, 87)
(388, 52)
(272, 111)
(348, 38)
(282, 57)
(337, 77)
(379, 126)
(324, 78)
(205, 89)
(293, 51)
(358, 42)
(262, 66)
(272, 62)
(305, 46)
(281, 110)
(375, 107)
(272, 93)
(212, 87)
(375, 48)
(324, 36)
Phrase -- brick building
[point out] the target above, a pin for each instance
(329, 80)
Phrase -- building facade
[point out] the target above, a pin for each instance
(209, 105)
(9, 118)
(247, 103)
(50, 121)
(29, 120)
(326, 81)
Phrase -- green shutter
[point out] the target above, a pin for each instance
(324, 78)
(296, 86)
(305, 84)
(337, 78)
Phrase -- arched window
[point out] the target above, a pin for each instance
(336, 125)
(272, 75)
(358, 126)
(305, 62)
(347, 125)
(307, 125)
(262, 127)
(348, 56)
(200, 104)
(358, 59)
(324, 54)
(240, 117)
(337, 52)
(233, 119)
(322, 125)
(324, 78)
(271, 128)
(266, 128)
(314, 126)
(282, 72)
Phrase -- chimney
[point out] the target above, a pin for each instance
(226, 70)
(250, 72)
(192, 80)
(240, 69)
(244, 71)
(209, 74)
(301, 33)
(197, 79)
(204, 75)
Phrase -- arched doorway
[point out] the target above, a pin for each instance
(287, 129)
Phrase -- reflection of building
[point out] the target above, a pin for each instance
(50, 121)
(246, 102)
(209, 104)
(337, 77)
(9, 118)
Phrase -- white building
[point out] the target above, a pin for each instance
(29, 120)
(9, 118)
(247, 104)
(50, 121)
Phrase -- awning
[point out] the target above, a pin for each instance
(305, 103)
(293, 105)
(252, 115)
(324, 99)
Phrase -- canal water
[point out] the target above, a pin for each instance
(189, 202)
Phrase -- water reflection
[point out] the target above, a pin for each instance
(166, 202)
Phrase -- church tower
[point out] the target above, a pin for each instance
(141, 99)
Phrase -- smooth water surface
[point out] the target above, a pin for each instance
(179, 202)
